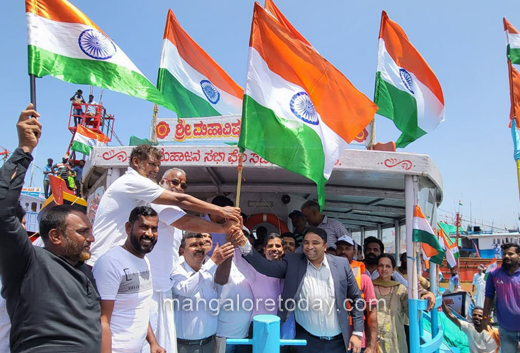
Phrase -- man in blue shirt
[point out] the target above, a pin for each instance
(505, 282)
(48, 169)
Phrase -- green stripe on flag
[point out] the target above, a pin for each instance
(428, 238)
(94, 72)
(80, 147)
(187, 103)
(287, 143)
(399, 106)
(513, 54)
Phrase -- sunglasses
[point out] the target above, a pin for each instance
(176, 182)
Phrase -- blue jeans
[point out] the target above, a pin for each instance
(508, 340)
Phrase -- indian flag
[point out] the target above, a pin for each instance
(423, 233)
(407, 90)
(299, 111)
(279, 16)
(491, 267)
(85, 140)
(450, 248)
(513, 56)
(191, 80)
(66, 44)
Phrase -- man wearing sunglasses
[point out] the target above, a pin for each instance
(172, 221)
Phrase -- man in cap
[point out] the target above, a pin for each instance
(346, 247)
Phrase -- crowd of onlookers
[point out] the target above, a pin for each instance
(68, 170)
(147, 276)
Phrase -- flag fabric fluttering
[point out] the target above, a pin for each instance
(407, 90)
(450, 248)
(299, 111)
(191, 80)
(85, 140)
(423, 233)
(513, 58)
(273, 9)
(513, 62)
(460, 203)
(66, 44)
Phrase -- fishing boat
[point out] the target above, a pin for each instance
(368, 190)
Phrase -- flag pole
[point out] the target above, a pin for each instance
(32, 88)
(239, 181)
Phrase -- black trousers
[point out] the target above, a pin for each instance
(316, 345)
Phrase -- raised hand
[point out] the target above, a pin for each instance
(29, 130)
(232, 213)
(222, 253)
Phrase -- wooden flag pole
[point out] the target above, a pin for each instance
(239, 182)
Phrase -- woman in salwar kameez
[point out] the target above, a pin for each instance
(392, 308)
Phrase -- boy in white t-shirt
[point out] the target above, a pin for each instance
(124, 282)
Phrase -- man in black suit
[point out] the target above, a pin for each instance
(316, 290)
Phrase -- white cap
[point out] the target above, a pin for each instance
(346, 239)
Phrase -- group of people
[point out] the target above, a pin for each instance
(92, 107)
(147, 276)
(67, 170)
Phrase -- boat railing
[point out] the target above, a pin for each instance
(417, 312)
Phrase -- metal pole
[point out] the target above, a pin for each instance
(411, 192)
(379, 232)
(397, 241)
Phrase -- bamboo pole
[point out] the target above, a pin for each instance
(239, 181)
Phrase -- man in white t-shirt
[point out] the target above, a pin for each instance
(164, 258)
(480, 339)
(137, 187)
(124, 283)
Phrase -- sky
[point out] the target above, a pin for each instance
(463, 42)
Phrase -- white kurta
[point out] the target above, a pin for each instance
(480, 285)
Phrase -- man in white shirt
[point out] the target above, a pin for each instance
(124, 283)
(246, 284)
(316, 288)
(137, 187)
(165, 257)
(479, 285)
(480, 339)
(195, 299)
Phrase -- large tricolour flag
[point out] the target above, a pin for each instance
(66, 44)
(85, 140)
(299, 111)
(513, 55)
(423, 233)
(407, 90)
(191, 80)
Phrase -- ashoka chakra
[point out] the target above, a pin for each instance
(96, 45)
(407, 80)
(210, 91)
(302, 106)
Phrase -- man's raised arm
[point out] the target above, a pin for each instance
(190, 203)
(14, 243)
